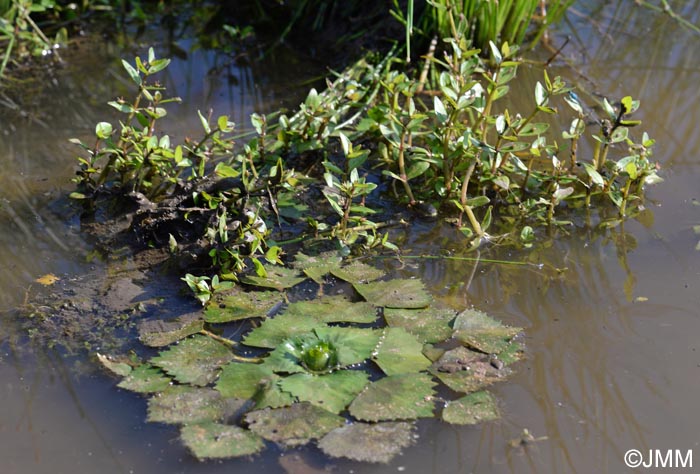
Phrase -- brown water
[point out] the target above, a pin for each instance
(613, 358)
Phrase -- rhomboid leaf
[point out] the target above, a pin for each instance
(294, 425)
(145, 379)
(399, 293)
(279, 278)
(242, 380)
(237, 304)
(159, 333)
(471, 409)
(334, 309)
(429, 325)
(354, 345)
(181, 404)
(318, 266)
(368, 442)
(333, 391)
(399, 352)
(357, 272)
(396, 397)
(476, 329)
(195, 360)
(274, 331)
(215, 441)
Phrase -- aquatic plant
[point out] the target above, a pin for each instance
(352, 375)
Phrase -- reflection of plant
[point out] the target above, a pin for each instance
(318, 374)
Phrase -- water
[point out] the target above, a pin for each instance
(612, 353)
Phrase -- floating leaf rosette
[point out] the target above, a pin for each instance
(313, 371)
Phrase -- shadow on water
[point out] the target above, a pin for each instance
(610, 318)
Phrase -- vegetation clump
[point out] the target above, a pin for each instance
(356, 387)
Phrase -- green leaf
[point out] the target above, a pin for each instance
(242, 380)
(159, 333)
(332, 392)
(316, 267)
(195, 360)
(396, 397)
(117, 367)
(295, 425)
(531, 129)
(133, 73)
(472, 409)
(592, 173)
(275, 330)
(270, 395)
(103, 130)
(428, 325)
(357, 272)
(181, 404)
(334, 309)
(158, 65)
(478, 201)
(279, 278)
(145, 379)
(354, 345)
(204, 122)
(223, 170)
(236, 304)
(216, 441)
(397, 293)
(478, 330)
(440, 111)
(365, 442)
(417, 169)
(399, 352)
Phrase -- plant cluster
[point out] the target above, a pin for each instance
(352, 375)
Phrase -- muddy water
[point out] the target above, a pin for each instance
(611, 319)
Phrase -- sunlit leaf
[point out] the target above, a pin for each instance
(478, 330)
(48, 279)
(368, 442)
(357, 272)
(237, 304)
(214, 441)
(275, 330)
(145, 379)
(181, 404)
(396, 397)
(399, 352)
(295, 425)
(316, 267)
(334, 309)
(279, 278)
(472, 409)
(354, 344)
(397, 293)
(195, 360)
(241, 380)
(118, 367)
(332, 392)
(428, 325)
